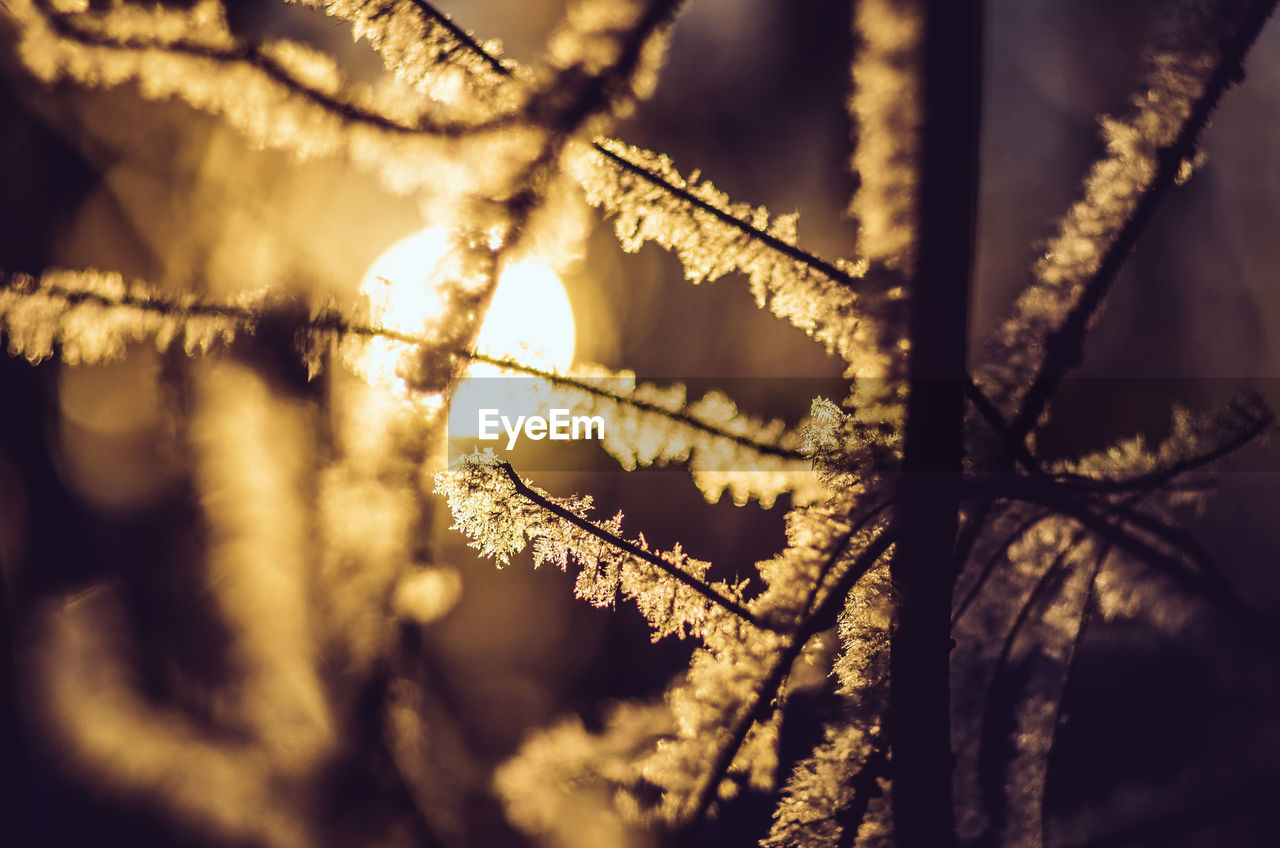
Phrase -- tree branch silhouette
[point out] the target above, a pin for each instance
(1064, 348)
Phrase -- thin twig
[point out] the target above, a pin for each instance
(247, 318)
(1016, 451)
(1015, 446)
(250, 54)
(463, 36)
(791, 251)
(753, 711)
(685, 418)
(598, 90)
(864, 786)
(1086, 616)
(990, 566)
(1126, 513)
(628, 547)
(986, 733)
(1064, 346)
(1259, 419)
(1176, 538)
(762, 698)
(810, 260)
(858, 526)
(1260, 628)
(828, 611)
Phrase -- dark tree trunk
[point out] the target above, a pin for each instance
(926, 511)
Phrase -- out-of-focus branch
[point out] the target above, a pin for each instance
(292, 318)
(1105, 527)
(248, 54)
(1064, 346)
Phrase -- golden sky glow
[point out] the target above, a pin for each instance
(530, 319)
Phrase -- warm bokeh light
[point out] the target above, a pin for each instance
(530, 319)
(117, 443)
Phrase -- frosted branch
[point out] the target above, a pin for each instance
(705, 590)
(886, 110)
(280, 94)
(712, 237)
(1195, 62)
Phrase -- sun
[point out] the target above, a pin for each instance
(530, 319)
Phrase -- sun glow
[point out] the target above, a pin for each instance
(529, 321)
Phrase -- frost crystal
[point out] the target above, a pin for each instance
(92, 317)
(314, 508)
(836, 303)
(886, 109)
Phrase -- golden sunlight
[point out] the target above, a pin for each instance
(530, 319)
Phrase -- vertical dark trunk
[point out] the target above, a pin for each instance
(15, 797)
(926, 514)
